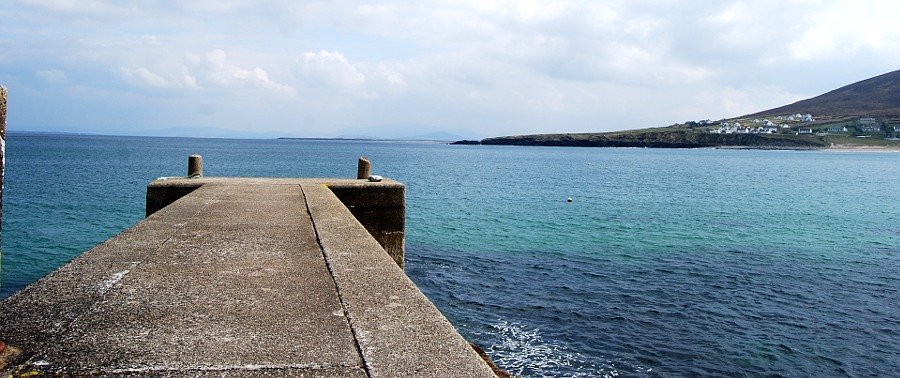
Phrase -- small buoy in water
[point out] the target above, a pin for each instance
(569, 199)
(498, 167)
(375, 178)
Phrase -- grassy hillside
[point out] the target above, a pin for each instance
(693, 136)
(875, 97)
(863, 114)
(674, 137)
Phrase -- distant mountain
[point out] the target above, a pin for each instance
(401, 131)
(439, 136)
(355, 137)
(875, 97)
(436, 136)
(206, 132)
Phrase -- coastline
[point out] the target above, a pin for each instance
(834, 148)
(850, 148)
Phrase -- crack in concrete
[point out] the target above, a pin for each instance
(247, 367)
(37, 357)
(337, 286)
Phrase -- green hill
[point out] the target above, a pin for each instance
(875, 97)
(865, 114)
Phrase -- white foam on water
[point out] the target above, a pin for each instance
(522, 351)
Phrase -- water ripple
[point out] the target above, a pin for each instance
(680, 314)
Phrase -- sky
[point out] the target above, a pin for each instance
(408, 68)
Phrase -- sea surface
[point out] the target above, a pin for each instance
(666, 262)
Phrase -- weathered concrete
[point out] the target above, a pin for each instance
(392, 319)
(380, 207)
(195, 166)
(239, 277)
(162, 195)
(363, 169)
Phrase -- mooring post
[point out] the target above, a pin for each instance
(195, 166)
(364, 170)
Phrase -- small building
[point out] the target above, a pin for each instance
(869, 128)
(807, 118)
(764, 130)
(804, 130)
(867, 121)
(730, 128)
(837, 129)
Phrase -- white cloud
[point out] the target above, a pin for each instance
(510, 66)
(217, 70)
(152, 40)
(389, 76)
(143, 77)
(213, 69)
(73, 6)
(52, 76)
(331, 69)
(842, 29)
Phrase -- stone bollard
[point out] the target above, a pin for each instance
(364, 170)
(195, 166)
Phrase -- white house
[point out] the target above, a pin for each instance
(867, 121)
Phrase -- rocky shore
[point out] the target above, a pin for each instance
(660, 139)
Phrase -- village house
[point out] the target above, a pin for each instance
(736, 128)
(867, 121)
(837, 129)
(804, 130)
(764, 122)
(796, 118)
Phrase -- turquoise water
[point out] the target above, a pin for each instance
(666, 262)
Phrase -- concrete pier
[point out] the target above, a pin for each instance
(241, 277)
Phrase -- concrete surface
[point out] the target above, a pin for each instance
(379, 206)
(238, 277)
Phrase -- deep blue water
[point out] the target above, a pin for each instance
(667, 262)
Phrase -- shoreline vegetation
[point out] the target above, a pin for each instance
(689, 136)
(863, 116)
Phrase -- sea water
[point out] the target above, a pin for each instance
(665, 262)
